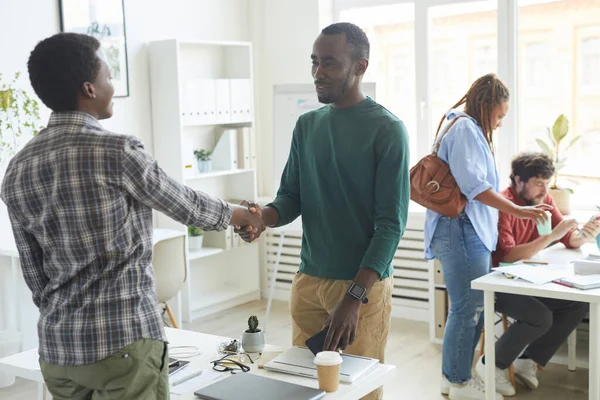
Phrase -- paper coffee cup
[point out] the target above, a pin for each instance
(328, 370)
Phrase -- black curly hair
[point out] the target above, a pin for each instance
(356, 37)
(59, 65)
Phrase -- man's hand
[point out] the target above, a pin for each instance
(251, 232)
(343, 323)
(250, 222)
(591, 229)
(565, 226)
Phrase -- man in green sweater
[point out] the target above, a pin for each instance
(348, 176)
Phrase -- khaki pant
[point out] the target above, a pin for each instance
(137, 371)
(314, 299)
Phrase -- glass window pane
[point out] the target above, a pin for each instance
(390, 29)
(559, 73)
(463, 47)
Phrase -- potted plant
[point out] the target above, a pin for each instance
(552, 147)
(19, 116)
(195, 237)
(203, 159)
(253, 340)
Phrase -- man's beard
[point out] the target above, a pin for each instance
(528, 201)
(335, 97)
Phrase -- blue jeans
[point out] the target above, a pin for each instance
(464, 258)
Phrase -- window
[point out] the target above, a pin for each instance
(557, 61)
(536, 64)
(589, 81)
(559, 50)
(390, 29)
(484, 60)
(461, 42)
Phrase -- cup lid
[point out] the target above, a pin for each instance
(326, 358)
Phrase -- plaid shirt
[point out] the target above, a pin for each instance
(80, 201)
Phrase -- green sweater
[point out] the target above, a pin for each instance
(348, 176)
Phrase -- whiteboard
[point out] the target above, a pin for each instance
(289, 102)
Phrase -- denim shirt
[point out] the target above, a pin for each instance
(465, 149)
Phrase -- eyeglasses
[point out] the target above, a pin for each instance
(227, 364)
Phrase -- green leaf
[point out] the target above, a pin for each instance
(572, 142)
(560, 165)
(545, 147)
(560, 128)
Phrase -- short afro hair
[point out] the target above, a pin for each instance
(59, 65)
(356, 37)
(532, 165)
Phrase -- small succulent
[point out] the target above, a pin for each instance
(192, 231)
(253, 325)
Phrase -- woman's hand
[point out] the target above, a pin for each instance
(536, 213)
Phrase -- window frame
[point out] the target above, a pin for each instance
(508, 70)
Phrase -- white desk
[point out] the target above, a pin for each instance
(25, 365)
(496, 282)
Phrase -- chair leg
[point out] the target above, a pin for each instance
(171, 316)
(482, 343)
(511, 375)
(511, 369)
(572, 350)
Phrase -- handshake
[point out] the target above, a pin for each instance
(247, 221)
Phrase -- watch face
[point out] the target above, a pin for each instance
(357, 291)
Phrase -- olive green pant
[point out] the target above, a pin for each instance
(137, 371)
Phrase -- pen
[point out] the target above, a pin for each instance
(534, 262)
(562, 283)
(187, 378)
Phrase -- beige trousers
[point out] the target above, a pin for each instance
(314, 299)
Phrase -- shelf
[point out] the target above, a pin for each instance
(215, 174)
(203, 252)
(221, 295)
(231, 124)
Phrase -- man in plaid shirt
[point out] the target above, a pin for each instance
(80, 201)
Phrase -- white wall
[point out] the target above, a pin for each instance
(283, 41)
(146, 20)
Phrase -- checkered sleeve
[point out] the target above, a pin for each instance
(31, 258)
(150, 185)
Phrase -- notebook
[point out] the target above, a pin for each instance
(583, 282)
(252, 387)
(299, 361)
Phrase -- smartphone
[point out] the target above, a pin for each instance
(594, 217)
(317, 342)
(176, 365)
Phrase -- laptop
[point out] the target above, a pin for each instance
(299, 361)
(252, 387)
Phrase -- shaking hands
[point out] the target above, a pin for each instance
(249, 223)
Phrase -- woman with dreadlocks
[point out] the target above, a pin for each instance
(463, 245)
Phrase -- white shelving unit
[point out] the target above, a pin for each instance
(203, 98)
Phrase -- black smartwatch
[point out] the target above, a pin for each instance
(358, 292)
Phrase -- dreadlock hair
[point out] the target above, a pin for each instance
(485, 93)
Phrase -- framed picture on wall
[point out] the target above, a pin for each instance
(105, 20)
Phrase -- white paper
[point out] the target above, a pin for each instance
(195, 383)
(538, 275)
